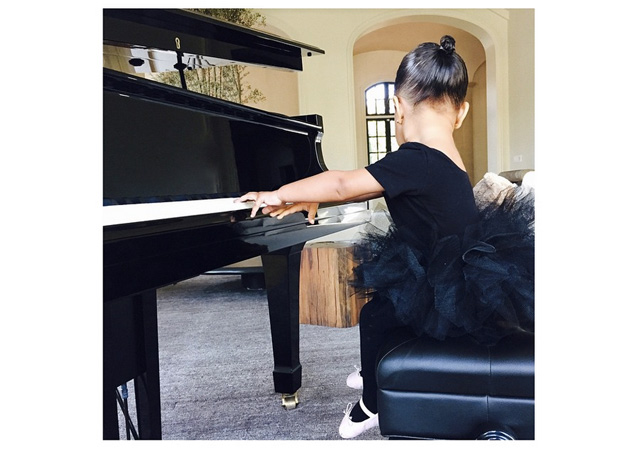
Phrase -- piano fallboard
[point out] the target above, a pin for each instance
(163, 143)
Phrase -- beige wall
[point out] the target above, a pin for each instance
(478, 112)
(522, 88)
(280, 88)
(332, 84)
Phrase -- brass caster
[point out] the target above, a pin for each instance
(290, 401)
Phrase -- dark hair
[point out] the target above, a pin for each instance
(434, 73)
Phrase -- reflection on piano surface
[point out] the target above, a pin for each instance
(173, 163)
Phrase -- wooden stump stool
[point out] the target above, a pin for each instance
(325, 295)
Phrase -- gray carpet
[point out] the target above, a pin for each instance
(216, 366)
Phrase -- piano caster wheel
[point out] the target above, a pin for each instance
(495, 432)
(290, 401)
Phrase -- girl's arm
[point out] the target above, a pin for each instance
(329, 186)
(311, 208)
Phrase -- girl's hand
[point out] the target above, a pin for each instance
(265, 199)
(290, 208)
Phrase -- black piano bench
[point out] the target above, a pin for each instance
(456, 388)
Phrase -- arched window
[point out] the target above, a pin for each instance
(381, 130)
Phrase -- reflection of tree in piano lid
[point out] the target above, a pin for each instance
(225, 82)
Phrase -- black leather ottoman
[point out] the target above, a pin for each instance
(457, 389)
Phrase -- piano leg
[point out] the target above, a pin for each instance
(130, 352)
(281, 269)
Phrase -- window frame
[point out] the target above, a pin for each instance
(383, 140)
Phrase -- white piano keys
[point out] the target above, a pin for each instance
(143, 212)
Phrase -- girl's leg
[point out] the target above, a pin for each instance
(377, 320)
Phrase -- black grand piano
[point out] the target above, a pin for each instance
(173, 161)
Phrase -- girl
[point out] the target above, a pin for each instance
(445, 267)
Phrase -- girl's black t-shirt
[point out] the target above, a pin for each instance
(427, 194)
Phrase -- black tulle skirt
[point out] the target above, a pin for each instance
(480, 284)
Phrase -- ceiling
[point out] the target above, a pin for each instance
(406, 36)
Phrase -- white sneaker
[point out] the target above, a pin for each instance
(349, 429)
(354, 379)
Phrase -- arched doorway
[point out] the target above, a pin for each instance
(377, 53)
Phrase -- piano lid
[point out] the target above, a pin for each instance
(149, 40)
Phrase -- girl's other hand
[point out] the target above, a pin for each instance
(290, 208)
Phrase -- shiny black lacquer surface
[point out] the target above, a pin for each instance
(201, 40)
(162, 142)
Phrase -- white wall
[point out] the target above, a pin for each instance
(478, 103)
(522, 89)
(280, 88)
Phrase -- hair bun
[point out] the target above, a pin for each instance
(448, 44)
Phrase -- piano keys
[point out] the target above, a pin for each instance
(174, 161)
(145, 212)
